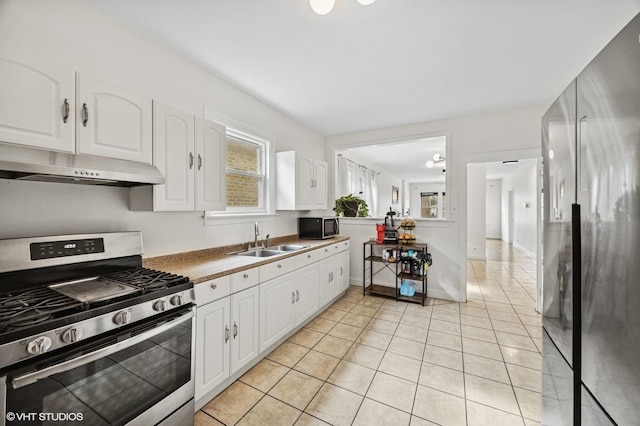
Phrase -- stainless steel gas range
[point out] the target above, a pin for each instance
(88, 336)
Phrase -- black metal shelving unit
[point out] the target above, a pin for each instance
(407, 265)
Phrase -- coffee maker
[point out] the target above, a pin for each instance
(390, 233)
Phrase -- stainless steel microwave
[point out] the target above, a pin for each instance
(318, 228)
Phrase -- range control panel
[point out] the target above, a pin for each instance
(49, 250)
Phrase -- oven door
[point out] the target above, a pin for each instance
(140, 374)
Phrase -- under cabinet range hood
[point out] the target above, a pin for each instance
(23, 163)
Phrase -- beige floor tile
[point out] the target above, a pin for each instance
(364, 310)
(364, 355)
(332, 314)
(406, 347)
(307, 338)
(500, 307)
(333, 346)
(317, 364)
(530, 320)
(320, 324)
(481, 415)
(374, 339)
(476, 321)
(388, 315)
(307, 420)
(522, 357)
(481, 348)
(419, 310)
(474, 311)
(445, 326)
(412, 333)
(353, 377)
(534, 330)
(264, 375)
(400, 366)
(393, 391)
(296, 389)
(447, 316)
(233, 403)
(374, 302)
(538, 343)
(443, 357)
(444, 340)
(372, 413)
(529, 422)
(485, 367)
(415, 320)
(392, 305)
(442, 378)
(345, 331)
(341, 305)
(382, 326)
(509, 327)
(516, 341)
(504, 316)
(352, 297)
(479, 333)
(491, 393)
(530, 403)
(417, 421)
(356, 320)
(335, 405)
(523, 377)
(270, 411)
(439, 407)
(203, 419)
(288, 354)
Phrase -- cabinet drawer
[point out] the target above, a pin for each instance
(209, 291)
(277, 268)
(339, 247)
(309, 257)
(244, 279)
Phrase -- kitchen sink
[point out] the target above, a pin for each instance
(261, 253)
(287, 247)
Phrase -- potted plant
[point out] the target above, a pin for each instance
(351, 206)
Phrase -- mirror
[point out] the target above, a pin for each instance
(408, 176)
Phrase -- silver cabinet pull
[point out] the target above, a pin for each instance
(85, 115)
(191, 160)
(65, 110)
(199, 161)
(293, 298)
(226, 333)
(214, 286)
(235, 330)
(279, 266)
(297, 295)
(341, 271)
(308, 256)
(245, 276)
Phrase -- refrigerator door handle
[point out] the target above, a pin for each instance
(581, 154)
(576, 354)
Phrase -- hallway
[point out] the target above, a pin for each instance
(374, 361)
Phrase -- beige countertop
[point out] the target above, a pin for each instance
(207, 264)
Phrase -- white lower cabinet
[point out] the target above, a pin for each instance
(226, 338)
(307, 283)
(277, 298)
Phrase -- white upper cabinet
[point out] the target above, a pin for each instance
(301, 182)
(112, 122)
(191, 154)
(37, 106)
(211, 154)
(173, 155)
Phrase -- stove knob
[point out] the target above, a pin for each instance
(39, 345)
(177, 300)
(160, 305)
(71, 335)
(121, 318)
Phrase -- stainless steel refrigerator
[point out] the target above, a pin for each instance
(591, 257)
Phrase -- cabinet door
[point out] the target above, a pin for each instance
(335, 283)
(324, 289)
(212, 345)
(320, 184)
(173, 154)
(304, 183)
(211, 157)
(112, 122)
(307, 285)
(244, 327)
(34, 105)
(277, 299)
(343, 271)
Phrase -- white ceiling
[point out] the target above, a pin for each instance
(391, 63)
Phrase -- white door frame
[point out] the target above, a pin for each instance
(511, 219)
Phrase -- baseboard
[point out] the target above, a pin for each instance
(527, 252)
(476, 257)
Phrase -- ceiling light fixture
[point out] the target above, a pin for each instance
(437, 158)
(322, 7)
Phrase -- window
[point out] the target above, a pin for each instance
(246, 172)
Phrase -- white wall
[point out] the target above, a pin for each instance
(523, 184)
(494, 136)
(494, 208)
(476, 211)
(73, 35)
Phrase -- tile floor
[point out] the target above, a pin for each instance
(374, 361)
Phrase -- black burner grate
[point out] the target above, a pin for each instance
(23, 308)
(148, 279)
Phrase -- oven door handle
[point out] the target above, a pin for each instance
(30, 378)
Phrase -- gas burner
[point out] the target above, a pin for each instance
(148, 279)
(28, 307)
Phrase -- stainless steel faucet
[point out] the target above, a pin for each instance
(266, 241)
(257, 232)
